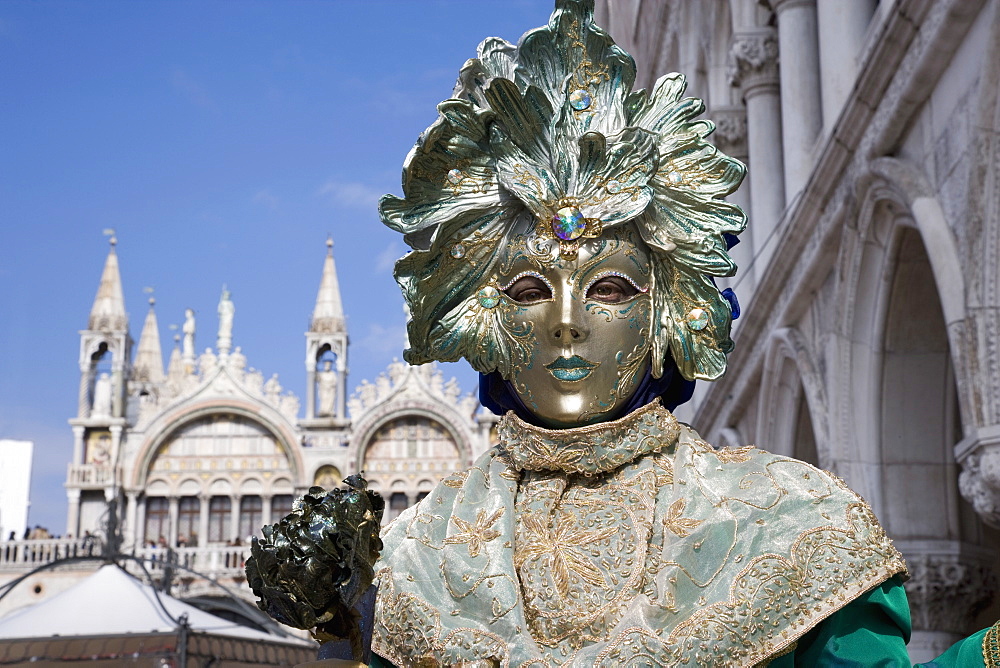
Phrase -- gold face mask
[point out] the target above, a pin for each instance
(587, 321)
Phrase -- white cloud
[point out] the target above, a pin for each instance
(266, 199)
(386, 260)
(382, 341)
(193, 91)
(350, 193)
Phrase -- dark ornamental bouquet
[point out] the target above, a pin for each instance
(313, 567)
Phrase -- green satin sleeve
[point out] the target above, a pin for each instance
(872, 631)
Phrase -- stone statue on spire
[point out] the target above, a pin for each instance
(227, 310)
(187, 349)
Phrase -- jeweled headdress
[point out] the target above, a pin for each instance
(547, 143)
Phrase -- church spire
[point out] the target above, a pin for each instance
(328, 315)
(175, 368)
(149, 357)
(108, 311)
(326, 352)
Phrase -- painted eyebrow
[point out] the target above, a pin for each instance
(518, 277)
(605, 274)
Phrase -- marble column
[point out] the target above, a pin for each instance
(234, 517)
(129, 532)
(754, 67)
(78, 445)
(204, 501)
(310, 390)
(801, 104)
(341, 383)
(72, 513)
(140, 523)
(843, 25)
(86, 376)
(116, 442)
(265, 509)
(172, 521)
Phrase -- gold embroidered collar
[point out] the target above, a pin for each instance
(591, 449)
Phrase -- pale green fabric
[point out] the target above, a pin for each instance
(743, 553)
(871, 631)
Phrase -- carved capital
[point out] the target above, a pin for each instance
(753, 60)
(947, 591)
(979, 481)
(731, 130)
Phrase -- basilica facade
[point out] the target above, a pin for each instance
(868, 274)
(204, 452)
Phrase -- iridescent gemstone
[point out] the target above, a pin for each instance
(455, 176)
(675, 177)
(697, 319)
(614, 187)
(488, 297)
(580, 99)
(568, 223)
(458, 251)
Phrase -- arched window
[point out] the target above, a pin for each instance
(188, 517)
(281, 505)
(327, 477)
(157, 518)
(397, 504)
(251, 516)
(219, 512)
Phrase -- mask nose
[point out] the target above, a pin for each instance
(567, 333)
(568, 328)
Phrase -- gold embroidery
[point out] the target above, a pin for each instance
(563, 550)
(735, 455)
(991, 647)
(677, 525)
(475, 534)
(658, 557)
(533, 448)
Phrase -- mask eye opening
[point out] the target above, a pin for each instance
(621, 287)
(528, 287)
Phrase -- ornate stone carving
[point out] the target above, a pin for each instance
(753, 59)
(730, 130)
(979, 480)
(947, 591)
(417, 380)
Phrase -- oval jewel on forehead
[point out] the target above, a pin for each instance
(568, 223)
(697, 319)
(580, 99)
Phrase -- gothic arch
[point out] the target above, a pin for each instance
(168, 423)
(892, 195)
(793, 383)
(899, 225)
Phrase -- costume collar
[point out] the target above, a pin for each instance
(591, 449)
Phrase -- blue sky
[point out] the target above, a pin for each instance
(222, 141)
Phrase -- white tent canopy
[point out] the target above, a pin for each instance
(112, 602)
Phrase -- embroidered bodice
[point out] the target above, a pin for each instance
(631, 540)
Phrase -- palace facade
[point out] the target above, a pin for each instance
(870, 271)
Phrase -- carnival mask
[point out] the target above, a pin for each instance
(546, 144)
(587, 321)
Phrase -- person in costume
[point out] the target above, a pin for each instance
(565, 234)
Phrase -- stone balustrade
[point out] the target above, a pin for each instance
(24, 555)
(213, 561)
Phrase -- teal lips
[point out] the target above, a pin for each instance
(573, 368)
